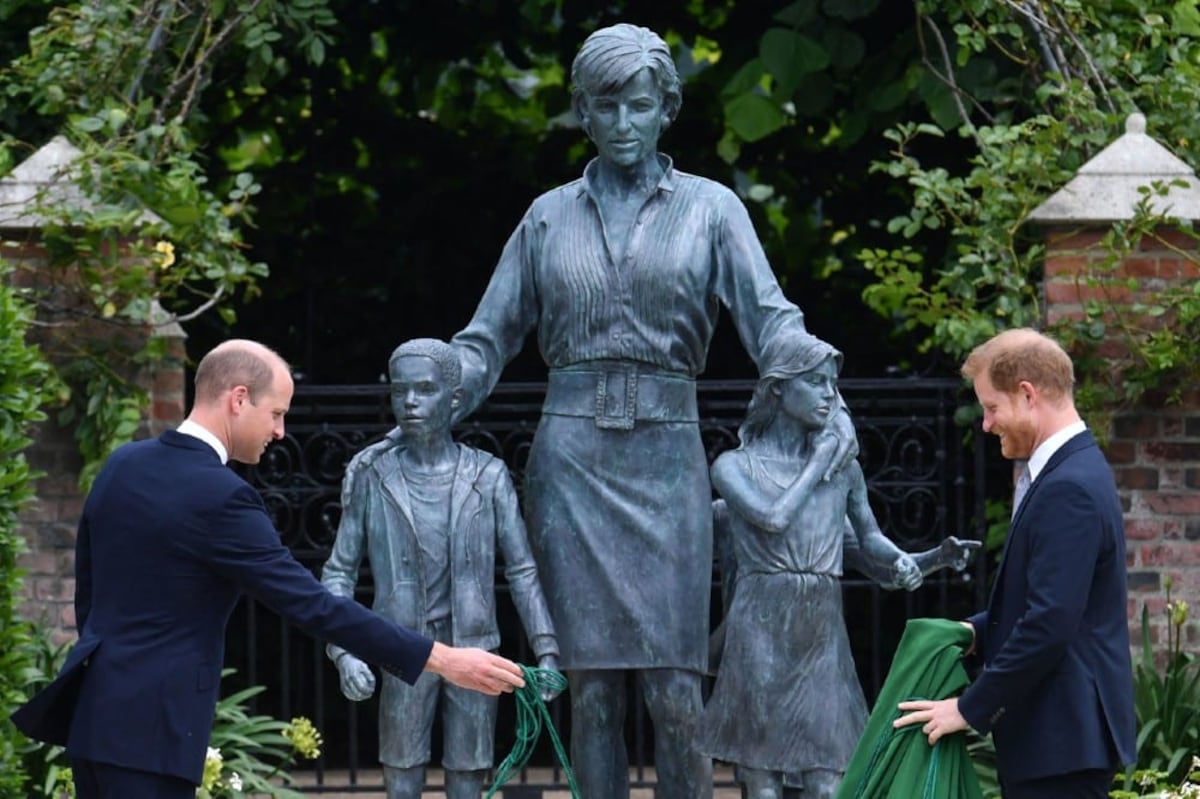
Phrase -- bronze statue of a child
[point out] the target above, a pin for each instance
(431, 516)
(787, 702)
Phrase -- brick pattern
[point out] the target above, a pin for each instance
(49, 523)
(1155, 449)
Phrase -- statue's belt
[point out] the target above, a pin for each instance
(618, 395)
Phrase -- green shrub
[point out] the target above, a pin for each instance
(27, 382)
(1167, 702)
(46, 767)
(250, 754)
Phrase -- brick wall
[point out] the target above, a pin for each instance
(48, 524)
(1154, 449)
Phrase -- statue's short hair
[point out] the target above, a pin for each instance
(611, 56)
(436, 350)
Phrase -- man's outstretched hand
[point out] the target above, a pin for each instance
(475, 669)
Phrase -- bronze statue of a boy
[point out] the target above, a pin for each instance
(431, 516)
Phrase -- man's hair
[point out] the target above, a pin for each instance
(438, 351)
(1023, 354)
(611, 56)
(237, 362)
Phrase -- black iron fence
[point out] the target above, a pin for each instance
(926, 477)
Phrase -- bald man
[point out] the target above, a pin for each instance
(169, 540)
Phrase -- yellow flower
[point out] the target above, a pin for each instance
(304, 737)
(212, 769)
(1179, 612)
(167, 252)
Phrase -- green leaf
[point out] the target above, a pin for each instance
(798, 13)
(745, 80)
(753, 117)
(789, 56)
(846, 46)
(849, 9)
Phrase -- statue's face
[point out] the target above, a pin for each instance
(626, 124)
(811, 397)
(421, 400)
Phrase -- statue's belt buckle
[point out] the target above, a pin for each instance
(616, 398)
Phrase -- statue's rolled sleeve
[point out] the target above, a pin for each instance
(340, 572)
(745, 283)
(504, 317)
(520, 569)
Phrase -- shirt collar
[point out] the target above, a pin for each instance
(190, 428)
(1041, 455)
(665, 183)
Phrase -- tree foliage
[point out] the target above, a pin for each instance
(26, 384)
(122, 81)
(888, 153)
(1074, 71)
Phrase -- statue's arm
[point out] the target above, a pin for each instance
(876, 552)
(854, 558)
(771, 513)
(953, 553)
(745, 282)
(506, 313)
(520, 569)
(340, 572)
(747, 287)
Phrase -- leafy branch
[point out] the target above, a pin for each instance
(152, 239)
(1086, 61)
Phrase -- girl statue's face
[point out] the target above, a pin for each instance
(810, 397)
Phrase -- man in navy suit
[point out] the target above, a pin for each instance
(1056, 689)
(169, 540)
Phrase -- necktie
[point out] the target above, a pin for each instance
(1022, 487)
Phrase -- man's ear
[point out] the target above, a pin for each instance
(456, 397)
(238, 397)
(1028, 392)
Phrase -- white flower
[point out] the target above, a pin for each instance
(212, 769)
(235, 781)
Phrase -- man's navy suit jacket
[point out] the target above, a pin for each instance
(169, 540)
(1056, 690)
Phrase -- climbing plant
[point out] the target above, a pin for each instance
(1088, 65)
(152, 240)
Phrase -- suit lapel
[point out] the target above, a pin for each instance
(1073, 445)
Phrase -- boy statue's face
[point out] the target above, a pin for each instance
(421, 400)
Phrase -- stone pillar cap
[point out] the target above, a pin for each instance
(47, 179)
(1108, 187)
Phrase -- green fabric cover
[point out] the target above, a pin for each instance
(900, 764)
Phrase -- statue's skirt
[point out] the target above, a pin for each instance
(620, 522)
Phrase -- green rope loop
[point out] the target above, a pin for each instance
(531, 715)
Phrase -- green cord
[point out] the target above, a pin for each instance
(531, 714)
